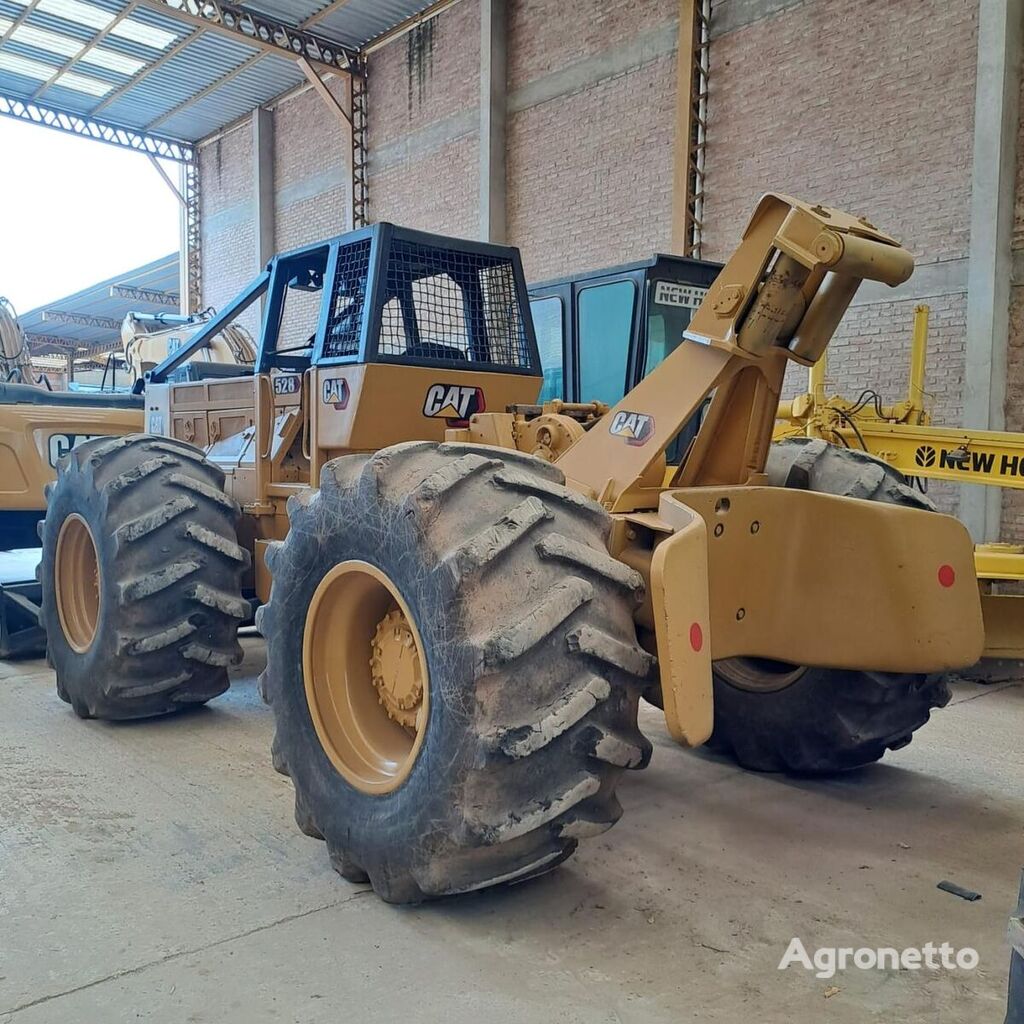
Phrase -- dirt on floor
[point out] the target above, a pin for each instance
(152, 871)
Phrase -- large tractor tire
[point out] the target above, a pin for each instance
(772, 716)
(140, 576)
(452, 667)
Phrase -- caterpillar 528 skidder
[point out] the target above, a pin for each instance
(471, 592)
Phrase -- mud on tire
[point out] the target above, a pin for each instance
(535, 673)
(169, 571)
(816, 720)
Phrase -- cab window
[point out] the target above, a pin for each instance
(605, 314)
(671, 306)
(547, 325)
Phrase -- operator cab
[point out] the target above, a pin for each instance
(602, 331)
(369, 339)
(392, 295)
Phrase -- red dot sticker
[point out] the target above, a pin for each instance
(696, 636)
(947, 575)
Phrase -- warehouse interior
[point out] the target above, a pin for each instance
(153, 869)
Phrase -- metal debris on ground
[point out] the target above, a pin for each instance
(959, 890)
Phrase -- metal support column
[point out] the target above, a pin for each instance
(493, 107)
(263, 185)
(988, 276)
(692, 60)
(191, 266)
(360, 144)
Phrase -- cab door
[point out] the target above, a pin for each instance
(587, 336)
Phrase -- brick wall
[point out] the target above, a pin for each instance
(589, 157)
(226, 198)
(590, 131)
(423, 125)
(312, 192)
(1013, 501)
(876, 118)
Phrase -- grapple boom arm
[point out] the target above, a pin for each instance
(781, 296)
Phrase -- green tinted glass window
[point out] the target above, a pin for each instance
(605, 326)
(672, 305)
(547, 325)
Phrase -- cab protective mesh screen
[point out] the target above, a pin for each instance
(449, 304)
(347, 300)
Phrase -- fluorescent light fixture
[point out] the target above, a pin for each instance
(104, 58)
(82, 83)
(75, 10)
(147, 35)
(42, 39)
(23, 66)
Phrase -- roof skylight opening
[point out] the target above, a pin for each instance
(77, 11)
(42, 39)
(104, 58)
(23, 66)
(82, 83)
(147, 35)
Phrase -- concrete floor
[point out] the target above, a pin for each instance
(153, 872)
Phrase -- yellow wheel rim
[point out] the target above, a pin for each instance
(77, 583)
(366, 678)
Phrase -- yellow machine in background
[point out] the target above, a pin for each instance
(39, 426)
(148, 339)
(903, 436)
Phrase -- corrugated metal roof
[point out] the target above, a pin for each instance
(99, 300)
(149, 71)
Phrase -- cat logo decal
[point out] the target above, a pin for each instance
(634, 428)
(453, 402)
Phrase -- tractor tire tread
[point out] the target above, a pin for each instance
(167, 630)
(548, 723)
